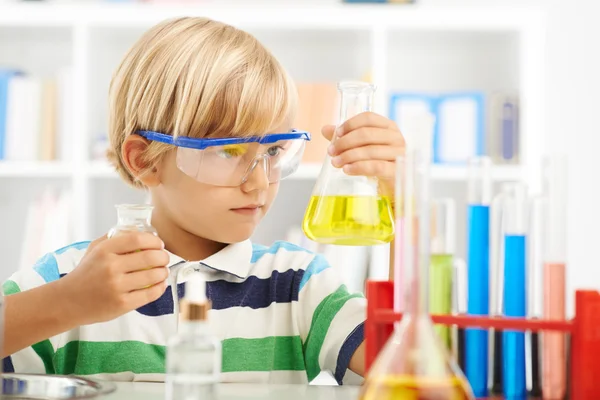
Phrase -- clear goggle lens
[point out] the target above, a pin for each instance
(232, 164)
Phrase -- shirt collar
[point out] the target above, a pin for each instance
(235, 259)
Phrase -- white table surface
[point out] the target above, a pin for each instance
(155, 391)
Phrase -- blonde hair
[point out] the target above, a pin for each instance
(199, 78)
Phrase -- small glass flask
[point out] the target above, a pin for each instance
(133, 217)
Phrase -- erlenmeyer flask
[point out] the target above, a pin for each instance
(344, 209)
(414, 364)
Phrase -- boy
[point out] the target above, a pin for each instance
(179, 103)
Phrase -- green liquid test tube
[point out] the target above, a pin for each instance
(440, 292)
(441, 272)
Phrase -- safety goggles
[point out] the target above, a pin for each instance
(230, 161)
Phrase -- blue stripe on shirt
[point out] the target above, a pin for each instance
(347, 351)
(78, 246)
(258, 250)
(253, 293)
(7, 365)
(317, 265)
(47, 268)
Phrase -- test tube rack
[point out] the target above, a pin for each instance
(584, 329)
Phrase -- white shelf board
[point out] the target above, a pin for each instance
(280, 15)
(35, 169)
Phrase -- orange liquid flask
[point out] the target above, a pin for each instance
(344, 209)
(414, 364)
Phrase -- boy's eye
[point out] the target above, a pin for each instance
(229, 151)
(274, 151)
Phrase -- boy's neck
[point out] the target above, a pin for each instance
(181, 242)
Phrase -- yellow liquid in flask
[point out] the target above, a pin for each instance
(406, 387)
(349, 220)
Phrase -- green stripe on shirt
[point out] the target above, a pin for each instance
(10, 287)
(322, 318)
(43, 349)
(275, 353)
(88, 358)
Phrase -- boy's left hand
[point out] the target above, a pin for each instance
(366, 144)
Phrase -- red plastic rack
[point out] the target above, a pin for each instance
(584, 329)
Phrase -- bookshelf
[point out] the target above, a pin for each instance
(400, 47)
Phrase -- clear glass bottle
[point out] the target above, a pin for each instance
(345, 209)
(193, 364)
(414, 364)
(133, 217)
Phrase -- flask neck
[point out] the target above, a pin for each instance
(413, 211)
(134, 215)
(356, 98)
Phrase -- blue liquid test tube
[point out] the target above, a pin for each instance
(515, 281)
(478, 242)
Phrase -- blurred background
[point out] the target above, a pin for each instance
(514, 80)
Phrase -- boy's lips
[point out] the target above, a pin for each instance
(249, 209)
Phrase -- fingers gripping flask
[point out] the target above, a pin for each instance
(345, 209)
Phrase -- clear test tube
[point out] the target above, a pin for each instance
(403, 168)
(443, 247)
(553, 343)
(479, 191)
(414, 258)
(496, 287)
(536, 238)
(515, 288)
(459, 307)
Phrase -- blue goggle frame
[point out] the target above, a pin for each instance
(203, 143)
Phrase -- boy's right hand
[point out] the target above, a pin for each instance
(113, 277)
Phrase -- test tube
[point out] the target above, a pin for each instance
(443, 247)
(479, 191)
(415, 253)
(496, 289)
(459, 307)
(403, 168)
(515, 261)
(535, 278)
(553, 352)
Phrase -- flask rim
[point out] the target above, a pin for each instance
(355, 86)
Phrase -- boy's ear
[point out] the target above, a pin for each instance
(132, 150)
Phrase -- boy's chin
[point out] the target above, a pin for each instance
(233, 236)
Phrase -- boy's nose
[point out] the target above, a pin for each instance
(257, 175)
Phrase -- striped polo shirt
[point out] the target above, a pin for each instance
(281, 312)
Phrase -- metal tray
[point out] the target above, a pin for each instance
(52, 387)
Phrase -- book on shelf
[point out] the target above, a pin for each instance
(35, 116)
(465, 124)
(318, 105)
(48, 225)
